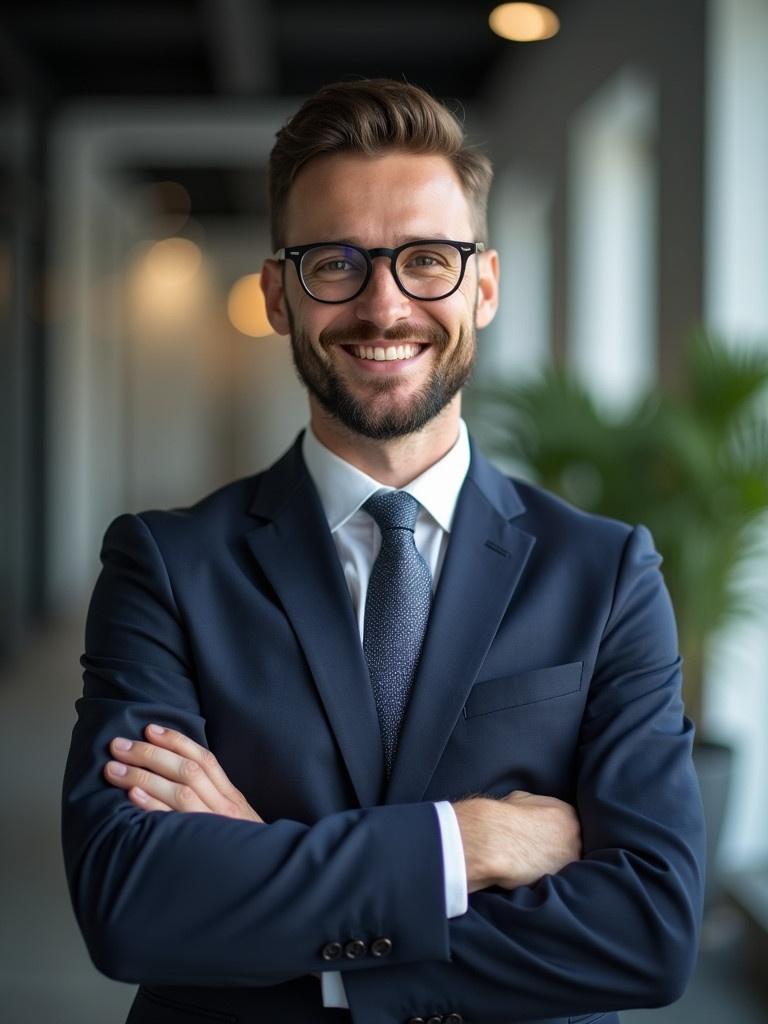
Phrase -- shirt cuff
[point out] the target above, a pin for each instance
(454, 865)
(334, 993)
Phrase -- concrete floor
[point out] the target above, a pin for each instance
(45, 972)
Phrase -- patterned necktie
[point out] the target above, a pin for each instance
(396, 612)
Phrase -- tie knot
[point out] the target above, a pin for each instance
(395, 510)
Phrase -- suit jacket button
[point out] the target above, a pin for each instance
(381, 947)
(355, 949)
(453, 1018)
(416, 1020)
(434, 1020)
(331, 951)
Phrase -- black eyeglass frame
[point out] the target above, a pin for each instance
(295, 254)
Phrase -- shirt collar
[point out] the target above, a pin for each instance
(343, 488)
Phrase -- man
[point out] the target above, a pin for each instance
(380, 728)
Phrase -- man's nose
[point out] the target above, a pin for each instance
(381, 302)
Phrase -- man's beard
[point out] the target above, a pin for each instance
(326, 385)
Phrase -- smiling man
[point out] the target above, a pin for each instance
(369, 304)
(380, 734)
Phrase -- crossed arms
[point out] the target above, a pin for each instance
(217, 897)
(509, 842)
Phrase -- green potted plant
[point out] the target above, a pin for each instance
(690, 463)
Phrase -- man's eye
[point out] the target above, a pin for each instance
(425, 261)
(333, 267)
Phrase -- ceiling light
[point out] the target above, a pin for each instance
(524, 23)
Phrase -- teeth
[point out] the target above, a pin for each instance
(390, 353)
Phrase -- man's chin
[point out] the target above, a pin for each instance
(384, 407)
(383, 418)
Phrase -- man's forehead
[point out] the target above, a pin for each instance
(345, 194)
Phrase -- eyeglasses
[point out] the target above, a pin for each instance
(428, 269)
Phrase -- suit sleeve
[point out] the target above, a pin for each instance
(619, 928)
(192, 898)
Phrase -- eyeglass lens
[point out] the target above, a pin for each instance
(336, 272)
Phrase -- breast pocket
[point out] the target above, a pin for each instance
(492, 695)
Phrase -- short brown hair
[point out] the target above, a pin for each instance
(369, 117)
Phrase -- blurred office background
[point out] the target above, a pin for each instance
(630, 206)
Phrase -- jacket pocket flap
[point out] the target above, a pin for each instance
(524, 688)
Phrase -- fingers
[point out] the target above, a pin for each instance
(173, 772)
(150, 789)
(183, 746)
(229, 800)
(147, 803)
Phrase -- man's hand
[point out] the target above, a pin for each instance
(516, 840)
(173, 773)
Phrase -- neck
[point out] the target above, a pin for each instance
(397, 461)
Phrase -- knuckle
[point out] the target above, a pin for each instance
(186, 795)
(148, 752)
(189, 769)
(208, 759)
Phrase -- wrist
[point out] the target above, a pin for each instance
(476, 817)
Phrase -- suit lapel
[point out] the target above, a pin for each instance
(484, 561)
(295, 550)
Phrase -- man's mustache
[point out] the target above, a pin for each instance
(361, 334)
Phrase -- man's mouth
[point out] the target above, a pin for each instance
(385, 353)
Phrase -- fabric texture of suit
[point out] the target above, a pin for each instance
(550, 665)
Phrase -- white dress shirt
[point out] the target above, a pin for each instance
(343, 489)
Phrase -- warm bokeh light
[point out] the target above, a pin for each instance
(524, 23)
(173, 262)
(246, 308)
(165, 282)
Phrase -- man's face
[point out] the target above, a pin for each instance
(372, 202)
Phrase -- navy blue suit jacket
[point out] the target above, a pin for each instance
(550, 665)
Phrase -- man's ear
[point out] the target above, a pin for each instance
(487, 287)
(274, 296)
